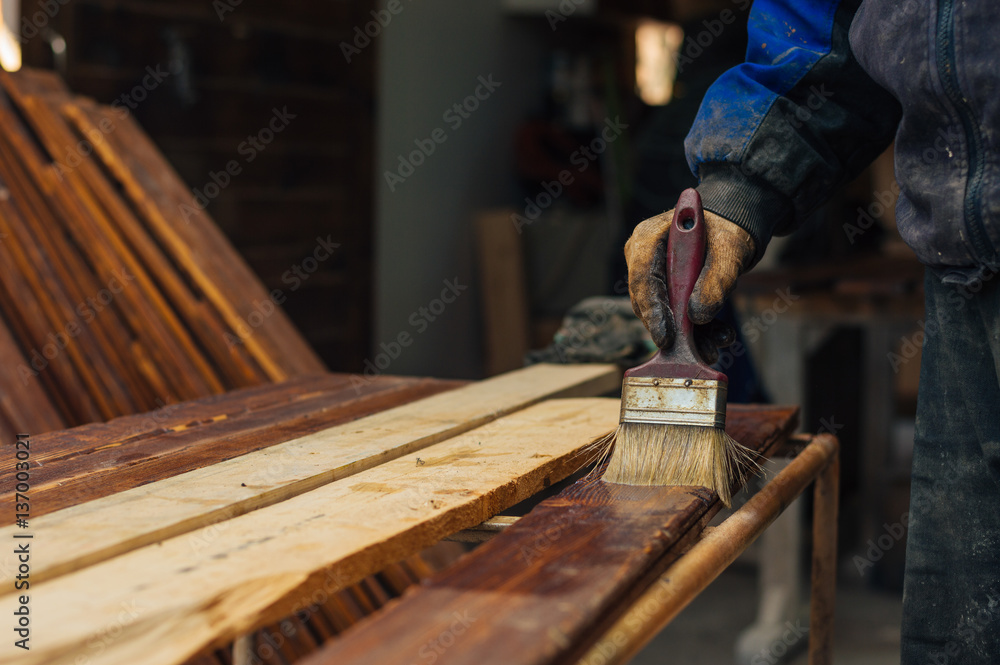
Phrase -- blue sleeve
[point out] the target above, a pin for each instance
(777, 134)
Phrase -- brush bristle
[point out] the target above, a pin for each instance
(646, 454)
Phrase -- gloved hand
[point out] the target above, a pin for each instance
(729, 252)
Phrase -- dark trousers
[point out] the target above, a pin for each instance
(951, 591)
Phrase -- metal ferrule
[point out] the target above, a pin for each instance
(660, 401)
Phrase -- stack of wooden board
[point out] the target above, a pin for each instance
(118, 294)
(161, 571)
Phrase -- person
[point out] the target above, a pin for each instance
(826, 86)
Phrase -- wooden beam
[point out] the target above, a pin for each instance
(97, 460)
(502, 277)
(717, 549)
(546, 588)
(215, 583)
(85, 534)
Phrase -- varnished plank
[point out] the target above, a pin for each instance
(542, 590)
(93, 461)
(194, 242)
(80, 535)
(42, 416)
(209, 585)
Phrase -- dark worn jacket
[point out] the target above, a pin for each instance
(827, 85)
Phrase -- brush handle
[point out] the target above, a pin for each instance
(685, 260)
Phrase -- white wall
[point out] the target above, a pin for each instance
(430, 57)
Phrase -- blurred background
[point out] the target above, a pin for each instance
(476, 168)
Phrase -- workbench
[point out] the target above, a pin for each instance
(160, 537)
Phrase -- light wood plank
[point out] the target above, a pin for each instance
(162, 603)
(94, 531)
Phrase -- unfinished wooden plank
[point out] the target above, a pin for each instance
(212, 584)
(93, 461)
(82, 535)
(543, 590)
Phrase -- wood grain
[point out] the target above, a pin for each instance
(214, 583)
(88, 203)
(93, 461)
(84, 534)
(548, 586)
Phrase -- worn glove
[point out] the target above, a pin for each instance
(729, 252)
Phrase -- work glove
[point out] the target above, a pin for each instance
(729, 252)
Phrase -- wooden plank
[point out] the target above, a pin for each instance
(16, 393)
(543, 590)
(504, 293)
(129, 236)
(187, 232)
(141, 305)
(212, 584)
(94, 531)
(35, 314)
(93, 461)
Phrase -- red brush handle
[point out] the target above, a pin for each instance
(685, 259)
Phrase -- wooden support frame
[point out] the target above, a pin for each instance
(543, 591)
(720, 546)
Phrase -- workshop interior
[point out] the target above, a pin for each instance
(322, 341)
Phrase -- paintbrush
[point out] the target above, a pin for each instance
(673, 415)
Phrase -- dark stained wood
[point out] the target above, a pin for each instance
(43, 416)
(225, 79)
(545, 589)
(87, 198)
(91, 461)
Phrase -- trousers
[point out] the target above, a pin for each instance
(951, 587)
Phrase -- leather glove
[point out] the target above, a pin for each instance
(729, 252)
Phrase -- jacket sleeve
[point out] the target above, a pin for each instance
(776, 135)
